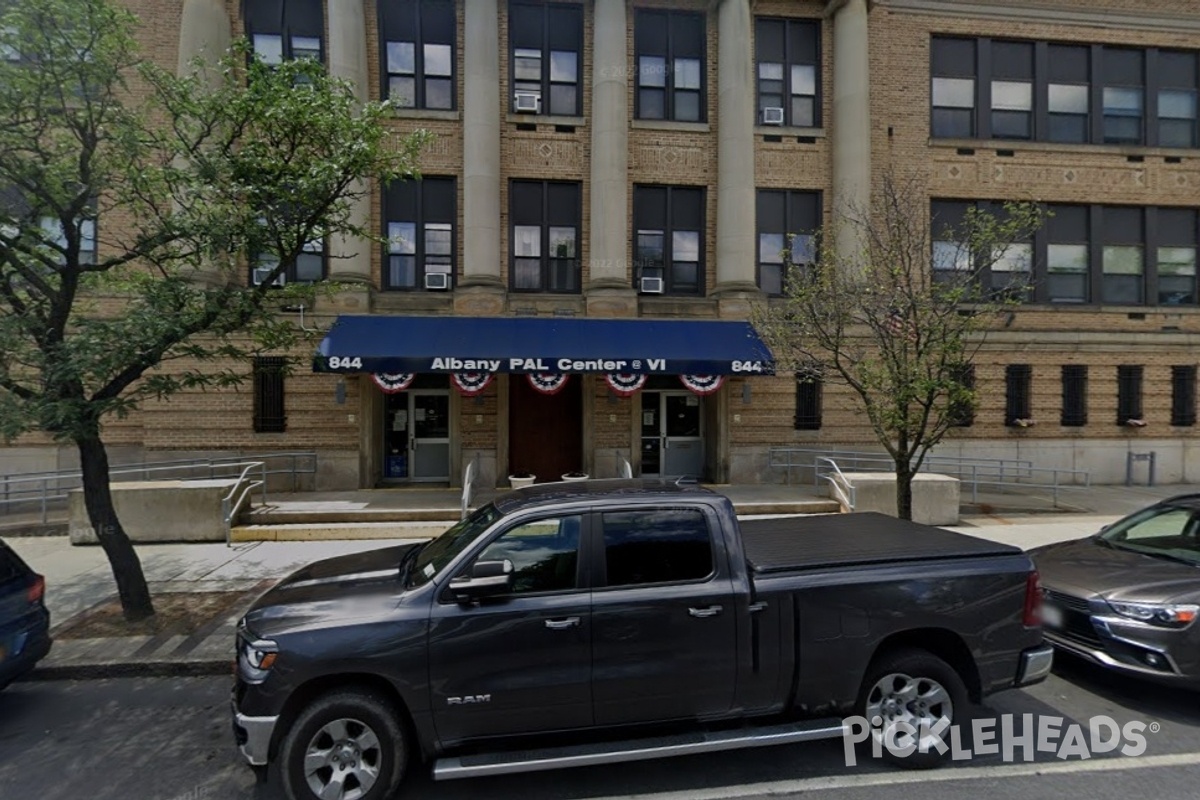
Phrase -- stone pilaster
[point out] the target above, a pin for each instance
(481, 153)
(610, 286)
(851, 125)
(350, 256)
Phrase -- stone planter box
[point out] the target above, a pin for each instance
(159, 511)
(569, 477)
(521, 483)
(935, 498)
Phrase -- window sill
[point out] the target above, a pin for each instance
(669, 125)
(1063, 147)
(545, 119)
(781, 130)
(423, 113)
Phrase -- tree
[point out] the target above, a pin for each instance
(130, 200)
(900, 334)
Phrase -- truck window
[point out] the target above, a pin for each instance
(663, 546)
(544, 554)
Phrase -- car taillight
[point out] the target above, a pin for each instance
(37, 589)
(1032, 616)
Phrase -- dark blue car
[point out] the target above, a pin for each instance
(24, 620)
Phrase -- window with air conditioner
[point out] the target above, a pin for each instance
(419, 220)
(546, 41)
(787, 54)
(669, 238)
(651, 286)
(528, 103)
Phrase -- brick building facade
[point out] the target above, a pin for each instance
(583, 145)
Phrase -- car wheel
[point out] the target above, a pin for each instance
(346, 745)
(910, 699)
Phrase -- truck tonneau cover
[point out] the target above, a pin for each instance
(836, 540)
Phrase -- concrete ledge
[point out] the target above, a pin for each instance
(159, 511)
(935, 498)
(361, 530)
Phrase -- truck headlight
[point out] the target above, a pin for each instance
(1169, 615)
(257, 658)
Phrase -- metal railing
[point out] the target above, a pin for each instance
(468, 479)
(974, 472)
(626, 468)
(840, 486)
(43, 490)
(242, 489)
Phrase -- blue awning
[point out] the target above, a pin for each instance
(400, 344)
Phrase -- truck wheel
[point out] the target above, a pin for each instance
(346, 745)
(910, 699)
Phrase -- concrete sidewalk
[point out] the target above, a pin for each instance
(78, 578)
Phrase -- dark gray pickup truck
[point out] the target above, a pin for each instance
(588, 623)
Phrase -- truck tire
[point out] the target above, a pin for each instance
(911, 698)
(346, 745)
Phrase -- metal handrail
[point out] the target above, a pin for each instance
(626, 468)
(846, 501)
(46, 487)
(468, 479)
(230, 508)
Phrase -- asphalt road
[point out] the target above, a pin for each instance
(169, 739)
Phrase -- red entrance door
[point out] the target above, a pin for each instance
(545, 431)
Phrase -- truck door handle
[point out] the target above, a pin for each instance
(562, 624)
(711, 611)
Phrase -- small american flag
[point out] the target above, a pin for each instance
(899, 325)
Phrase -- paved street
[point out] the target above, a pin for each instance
(169, 739)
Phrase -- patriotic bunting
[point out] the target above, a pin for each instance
(471, 383)
(392, 382)
(702, 384)
(547, 382)
(625, 385)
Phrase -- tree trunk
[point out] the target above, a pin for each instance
(904, 478)
(97, 496)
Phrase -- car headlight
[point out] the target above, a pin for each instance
(1171, 615)
(257, 658)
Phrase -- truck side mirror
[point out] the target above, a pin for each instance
(486, 579)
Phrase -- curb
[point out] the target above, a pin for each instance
(140, 669)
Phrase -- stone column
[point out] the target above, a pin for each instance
(851, 124)
(610, 287)
(735, 149)
(350, 256)
(204, 30)
(481, 159)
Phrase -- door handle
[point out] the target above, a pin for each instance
(711, 611)
(562, 624)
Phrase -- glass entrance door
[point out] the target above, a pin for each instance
(672, 435)
(417, 436)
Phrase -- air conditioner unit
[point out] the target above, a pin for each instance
(772, 115)
(528, 103)
(261, 274)
(437, 280)
(652, 285)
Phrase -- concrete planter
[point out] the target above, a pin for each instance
(520, 483)
(575, 476)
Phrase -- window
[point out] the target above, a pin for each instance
(670, 65)
(1074, 395)
(1017, 403)
(669, 237)
(285, 29)
(1175, 256)
(789, 69)
(1129, 393)
(961, 409)
(953, 88)
(952, 261)
(418, 53)
(1067, 94)
(419, 218)
(269, 416)
(1067, 255)
(1012, 90)
(1123, 95)
(1177, 99)
(1123, 256)
(546, 45)
(656, 546)
(786, 223)
(1183, 396)
(55, 236)
(544, 554)
(545, 236)
(309, 266)
(808, 400)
